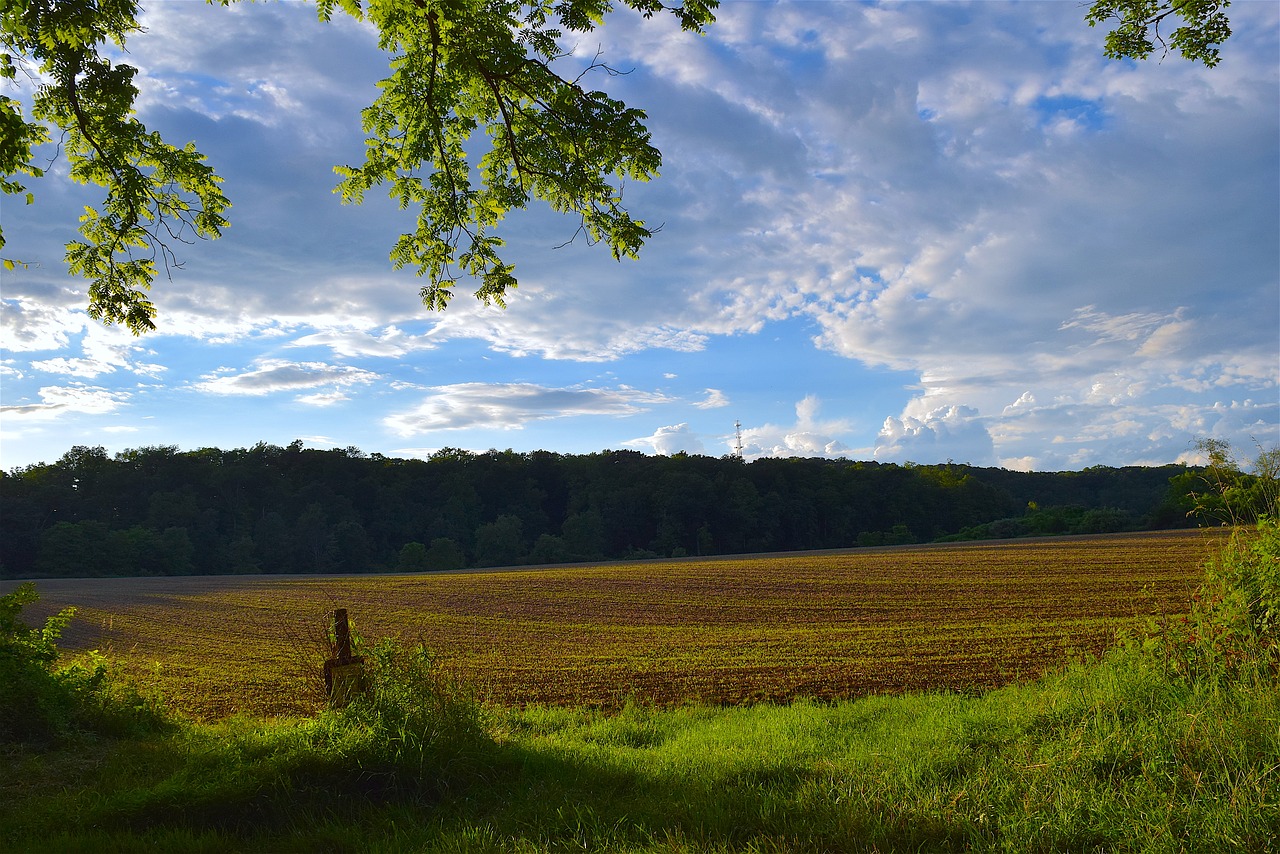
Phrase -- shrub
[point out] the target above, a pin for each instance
(42, 703)
(1233, 627)
(34, 705)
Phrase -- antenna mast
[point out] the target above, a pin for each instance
(737, 435)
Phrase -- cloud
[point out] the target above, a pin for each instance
(276, 375)
(509, 406)
(323, 398)
(58, 401)
(669, 440)
(808, 437)
(39, 319)
(106, 350)
(957, 431)
(351, 343)
(88, 368)
(715, 399)
(965, 201)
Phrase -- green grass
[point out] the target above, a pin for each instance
(1109, 756)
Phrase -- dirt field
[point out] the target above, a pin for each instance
(828, 625)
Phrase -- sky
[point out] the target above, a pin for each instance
(915, 231)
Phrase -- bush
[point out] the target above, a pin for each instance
(1234, 624)
(34, 705)
(43, 703)
(1232, 632)
(415, 716)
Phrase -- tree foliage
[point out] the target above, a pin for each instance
(158, 194)
(1224, 493)
(1204, 26)
(461, 70)
(159, 511)
(461, 67)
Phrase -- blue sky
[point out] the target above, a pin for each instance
(916, 231)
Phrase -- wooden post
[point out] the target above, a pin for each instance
(343, 674)
(342, 634)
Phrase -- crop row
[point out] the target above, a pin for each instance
(720, 630)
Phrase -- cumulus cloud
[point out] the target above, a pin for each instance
(509, 406)
(809, 436)
(956, 431)
(669, 440)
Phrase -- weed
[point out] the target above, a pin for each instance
(416, 723)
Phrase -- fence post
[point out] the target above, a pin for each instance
(344, 674)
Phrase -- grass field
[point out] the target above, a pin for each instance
(822, 626)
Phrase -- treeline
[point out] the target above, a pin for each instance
(268, 509)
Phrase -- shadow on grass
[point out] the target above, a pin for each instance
(1105, 757)
(202, 793)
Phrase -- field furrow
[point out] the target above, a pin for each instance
(827, 626)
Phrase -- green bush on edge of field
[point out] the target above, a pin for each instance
(1232, 631)
(44, 703)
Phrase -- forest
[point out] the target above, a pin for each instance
(271, 509)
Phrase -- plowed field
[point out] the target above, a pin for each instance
(830, 625)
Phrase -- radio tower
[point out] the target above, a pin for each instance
(737, 435)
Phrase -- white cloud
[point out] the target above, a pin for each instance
(43, 319)
(106, 350)
(323, 398)
(807, 437)
(1025, 401)
(715, 399)
(509, 406)
(351, 343)
(669, 440)
(88, 368)
(275, 375)
(58, 401)
(956, 431)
